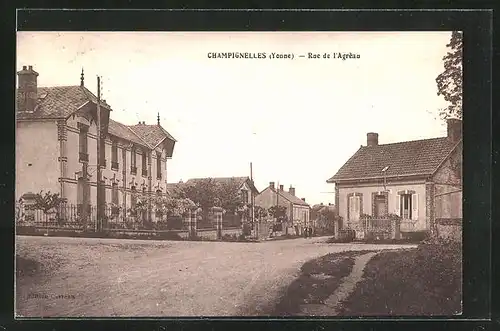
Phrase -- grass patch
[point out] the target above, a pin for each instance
(405, 241)
(26, 267)
(309, 288)
(419, 282)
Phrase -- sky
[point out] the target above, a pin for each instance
(297, 120)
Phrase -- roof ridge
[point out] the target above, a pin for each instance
(447, 155)
(56, 86)
(128, 127)
(282, 194)
(426, 155)
(408, 141)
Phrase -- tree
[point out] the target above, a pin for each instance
(230, 197)
(278, 212)
(450, 81)
(47, 202)
(260, 212)
(176, 206)
(327, 214)
(204, 193)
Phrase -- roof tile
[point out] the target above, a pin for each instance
(418, 157)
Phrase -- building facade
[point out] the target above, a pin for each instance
(416, 180)
(56, 147)
(297, 209)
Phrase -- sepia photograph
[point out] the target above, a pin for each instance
(238, 174)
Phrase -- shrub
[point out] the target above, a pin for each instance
(417, 237)
(347, 235)
(169, 236)
(247, 229)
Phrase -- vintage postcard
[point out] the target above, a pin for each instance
(185, 174)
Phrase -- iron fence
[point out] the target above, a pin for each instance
(69, 216)
(377, 224)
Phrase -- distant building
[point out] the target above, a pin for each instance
(56, 146)
(418, 180)
(297, 209)
(318, 210)
(246, 187)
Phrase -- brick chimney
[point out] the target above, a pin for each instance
(271, 184)
(27, 89)
(454, 128)
(281, 187)
(291, 190)
(372, 139)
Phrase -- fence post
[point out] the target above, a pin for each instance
(191, 221)
(336, 229)
(218, 221)
(395, 227)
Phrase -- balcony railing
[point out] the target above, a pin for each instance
(83, 157)
(114, 165)
(144, 172)
(133, 170)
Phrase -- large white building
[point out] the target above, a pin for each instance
(56, 146)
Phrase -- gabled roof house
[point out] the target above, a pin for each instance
(298, 210)
(418, 180)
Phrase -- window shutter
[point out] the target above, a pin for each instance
(357, 207)
(350, 208)
(397, 202)
(414, 206)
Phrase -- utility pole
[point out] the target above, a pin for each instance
(277, 202)
(99, 131)
(252, 198)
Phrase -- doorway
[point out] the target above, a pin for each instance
(380, 206)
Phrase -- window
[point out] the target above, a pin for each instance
(83, 146)
(103, 193)
(133, 159)
(133, 197)
(354, 207)
(405, 203)
(244, 196)
(379, 205)
(103, 153)
(114, 194)
(114, 155)
(408, 206)
(158, 165)
(144, 163)
(80, 195)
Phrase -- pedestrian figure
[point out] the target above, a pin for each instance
(310, 232)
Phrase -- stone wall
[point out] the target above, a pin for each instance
(211, 234)
(449, 228)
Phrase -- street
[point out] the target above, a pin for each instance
(86, 277)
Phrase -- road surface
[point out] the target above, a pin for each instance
(88, 277)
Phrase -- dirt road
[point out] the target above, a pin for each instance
(109, 277)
